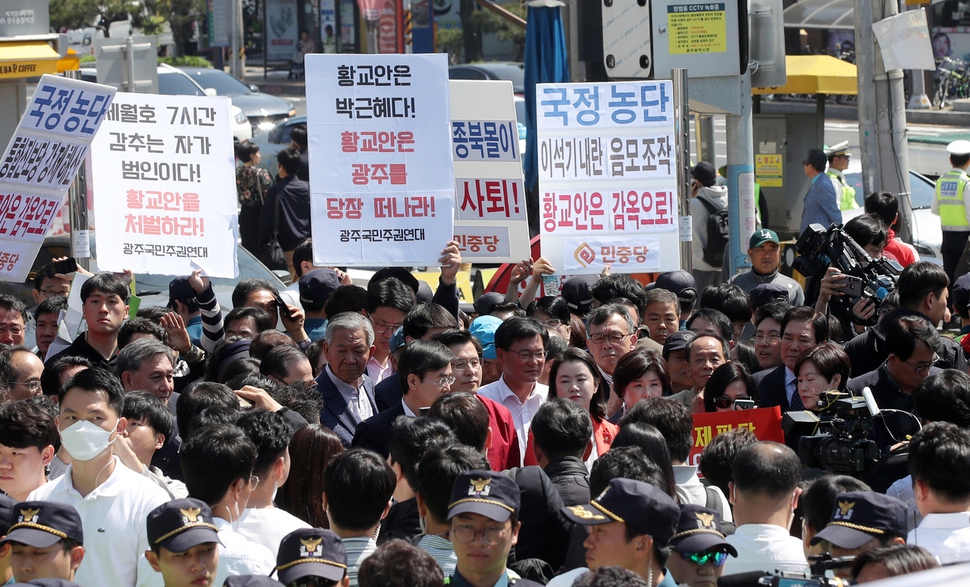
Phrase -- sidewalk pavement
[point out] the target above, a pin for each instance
(275, 81)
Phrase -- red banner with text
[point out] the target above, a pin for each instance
(765, 423)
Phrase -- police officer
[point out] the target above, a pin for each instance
(950, 204)
(311, 556)
(838, 162)
(484, 518)
(45, 540)
(183, 543)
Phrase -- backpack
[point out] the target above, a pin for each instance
(718, 231)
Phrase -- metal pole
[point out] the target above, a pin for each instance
(740, 179)
(865, 64)
(891, 128)
(130, 64)
(235, 63)
(682, 146)
(706, 151)
(78, 207)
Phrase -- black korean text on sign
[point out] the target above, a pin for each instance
(195, 115)
(26, 215)
(374, 75)
(155, 250)
(42, 162)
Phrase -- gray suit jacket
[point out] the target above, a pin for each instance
(334, 414)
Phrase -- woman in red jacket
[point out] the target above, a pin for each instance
(576, 378)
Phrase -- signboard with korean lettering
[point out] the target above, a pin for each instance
(765, 423)
(40, 163)
(491, 225)
(164, 182)
(382, 183)
(607, 177)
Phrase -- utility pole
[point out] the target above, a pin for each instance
(682, 145)
(740, 178)
(882, 114)
(235, 62)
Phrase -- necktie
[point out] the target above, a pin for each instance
(796, 400)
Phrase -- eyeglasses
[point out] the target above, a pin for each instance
(725, 401)
(13, 329)
(467, 534)
(601, 338)
(702, 558)
(32, 386)
(770, 337)
(253, 482)
(462, 364)
(383, 327)
(551, 323)
(526, 355)
(922, 369)
(447, 380)
(55, 293)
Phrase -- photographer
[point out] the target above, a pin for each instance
(922, 288)
(912, 343)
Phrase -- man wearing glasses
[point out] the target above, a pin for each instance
(20, 372)
(484, 519)
(520, 348)
(698, 549)
(610, 334)
(425, 373)
(913, 343)
(13, 320)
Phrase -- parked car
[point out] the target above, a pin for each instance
(262, 110)
(152, 289)
(514, 72)
(927, 235)
(174, 82)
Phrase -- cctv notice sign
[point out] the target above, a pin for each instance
(41, 160)
(164, 184)
(607, 177)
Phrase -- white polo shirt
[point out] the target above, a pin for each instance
(522, 412)
(765, 547)
(239, 556)
(268, 526)
(113, 517)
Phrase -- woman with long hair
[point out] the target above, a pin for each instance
(311, 450)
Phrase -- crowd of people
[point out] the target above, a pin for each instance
(390, 435)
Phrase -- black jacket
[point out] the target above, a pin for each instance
(545, 531)
(868, 350)
(293, 195)
(374, 433)
(771, 388)
(571, 478)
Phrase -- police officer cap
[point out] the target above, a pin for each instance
(493, 495)
(837, 149)
(636, 504)
(180, 525)
(311, 552)
(44, 523)
(961, 147)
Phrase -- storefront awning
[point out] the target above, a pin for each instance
(30, 59)
(820, 14)
(816, 74)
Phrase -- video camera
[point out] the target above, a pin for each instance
(838, 440)
(820, 249)
(818, 565)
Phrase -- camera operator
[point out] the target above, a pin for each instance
(871, 234)
(939, 458)
(922, 287)
(862, 521)
(912, 343)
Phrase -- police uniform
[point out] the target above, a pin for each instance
(495, 496)
(846, 192)
(42, 524)
(950, 203)
(181, 524)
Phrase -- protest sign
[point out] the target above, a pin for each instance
(491, 225)
(40, 163)
(607, 176)
(164, 178)
(765, 423)
(382, 187)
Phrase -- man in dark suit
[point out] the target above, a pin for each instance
(348, 394)
(425, 373)
(802, 329)
(286, 208)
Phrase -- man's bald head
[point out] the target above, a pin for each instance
(767, 468)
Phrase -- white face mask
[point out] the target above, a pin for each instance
(84, 440)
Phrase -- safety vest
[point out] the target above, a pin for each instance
(757, 204)
(848, 192)
(949, 197)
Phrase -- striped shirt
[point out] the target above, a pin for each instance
(441, 551)
(358, 549)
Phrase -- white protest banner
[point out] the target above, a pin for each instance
(607, 176)
(382, 183)
(491, 225)
(904, 41)
(40, 163)
(164, 184)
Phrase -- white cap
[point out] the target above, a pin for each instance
(960, 147)
(837, 149)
